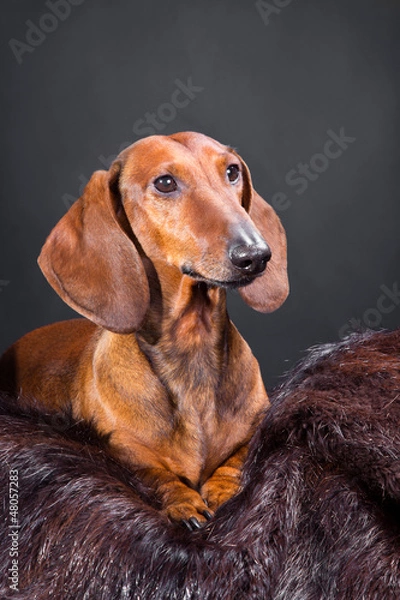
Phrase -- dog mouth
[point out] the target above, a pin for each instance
(229, 284)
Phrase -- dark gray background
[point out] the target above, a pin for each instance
(272, 89)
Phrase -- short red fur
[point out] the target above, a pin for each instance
(159, 365)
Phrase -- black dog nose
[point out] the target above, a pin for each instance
(250, 259)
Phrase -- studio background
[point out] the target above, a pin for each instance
(277, 80)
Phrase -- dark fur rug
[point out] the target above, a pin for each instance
(318, 517)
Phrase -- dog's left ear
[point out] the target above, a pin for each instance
(269, 291)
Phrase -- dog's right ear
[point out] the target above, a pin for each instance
(92, 263)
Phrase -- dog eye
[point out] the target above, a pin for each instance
(165, 184)
(233, 172)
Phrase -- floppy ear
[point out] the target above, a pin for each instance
(269, 291)
(92, 264)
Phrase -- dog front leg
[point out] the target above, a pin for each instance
(179, 502)
(225, 481)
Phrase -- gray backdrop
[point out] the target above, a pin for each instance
(278, 80)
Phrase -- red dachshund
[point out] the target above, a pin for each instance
(146, 254)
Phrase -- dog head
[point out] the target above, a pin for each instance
(183, 200)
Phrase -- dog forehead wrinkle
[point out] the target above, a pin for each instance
(151, 150)
(211, 167)
(203, 146)
(182, 155)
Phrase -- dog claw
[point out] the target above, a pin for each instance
(207, 514)
(194, 523)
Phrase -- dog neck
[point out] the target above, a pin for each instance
(180, 307)
(186, 328)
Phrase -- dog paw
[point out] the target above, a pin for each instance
(193, 515)
(182, 504)
(218, 490)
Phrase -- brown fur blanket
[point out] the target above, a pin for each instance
(318, 517)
